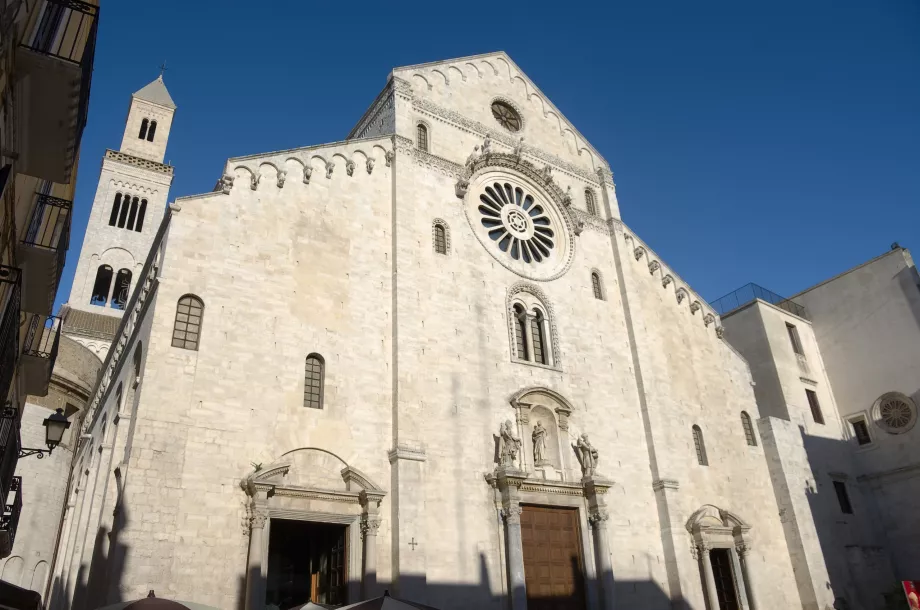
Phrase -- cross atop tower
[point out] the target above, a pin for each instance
(163, 68)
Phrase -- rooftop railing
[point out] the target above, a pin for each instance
(751, 292)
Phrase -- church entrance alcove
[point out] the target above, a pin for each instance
(307, 562)
(721, 543)
(725, 581)
(553, 563)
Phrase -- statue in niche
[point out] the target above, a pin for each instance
(474, 156)
(539, 445)
(509, 445)
(587, 455)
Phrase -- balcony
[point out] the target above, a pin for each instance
(752, 292)
(12, 508)
(42, 253)
(39, 353)
(54, 66)
(10, 295)
(10, 444)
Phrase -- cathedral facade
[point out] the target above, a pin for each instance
(430, 358)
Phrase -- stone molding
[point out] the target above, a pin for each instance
(443, 224)
(660, 484)
(154, 166)
(306, 515)
(591, 221)
(405, 452)
(511, 140)
(372, 116)
(350, 475)
(682, 291)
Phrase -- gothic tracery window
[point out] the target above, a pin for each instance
(187, 327)
(314, 374)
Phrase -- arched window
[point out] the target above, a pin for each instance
(520, 337)
(113, 217)
(187, 328)
(140, 216)
(536, 333)
(440, 239)
(700, 446)
(125, 207)
(748, 429)
(314, 373)
(132, 214)
(138, 356)
(596, 285)
(589, 202)
(421, 133)
(152, 131)
(122, 288)
(143, 132)
(101, 286)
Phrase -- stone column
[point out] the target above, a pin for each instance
(713, 597)
(255, 587)
(548, 342)
(509, 483)
(595, 490)
(528, 334)
(738, 577)
(744, 550)
(370, 523)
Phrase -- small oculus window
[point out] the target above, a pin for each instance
(506, 116)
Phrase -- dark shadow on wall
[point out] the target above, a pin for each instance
(103, 581)
(860, 572)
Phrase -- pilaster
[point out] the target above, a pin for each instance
(410, 565)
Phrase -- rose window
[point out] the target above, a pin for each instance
(516, 223)
(895, 413)
(506, 116)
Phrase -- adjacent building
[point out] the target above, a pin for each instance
(46, 65)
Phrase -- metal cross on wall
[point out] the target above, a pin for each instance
(413, 543)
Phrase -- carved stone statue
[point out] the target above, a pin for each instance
(547, 172)
(509, 445)
(567, 198)
(307, 173)
(226, 183)
(587, 455)
(487, 146)
(281, 176)
(539, 444)
(519, 148)
(474, 156)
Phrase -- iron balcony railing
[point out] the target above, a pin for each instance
(750, 292)
(49, 229)
(10, 297)
(43, 338)
(10, 444)
(66, 30)
(12, 508)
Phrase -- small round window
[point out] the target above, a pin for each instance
(895, 413)
(506, 116)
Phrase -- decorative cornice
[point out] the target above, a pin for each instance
(660, 484)
(348, 497)
(405, 452)
(371, 117)
(510, 140)
(122, 157)
(590, 221)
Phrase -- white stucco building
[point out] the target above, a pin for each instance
(432, 358)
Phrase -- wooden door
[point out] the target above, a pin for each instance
(725, 583)
(553, 566)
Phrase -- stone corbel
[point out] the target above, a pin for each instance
(388, 158)
(579, 226)
(681, 295)
(666, 280)
(226, 183)
(254, 181)
(307, 174)
(720, 331)
(695, 306)
(653, 267)
(370, 165)
(461, 187)
(638, 252)
(350, 167)
(330, 166)
(281, 176)
(708, 319)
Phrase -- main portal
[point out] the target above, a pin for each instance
(306, 562)
(553, 566)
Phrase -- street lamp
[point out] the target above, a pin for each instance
(55, 426)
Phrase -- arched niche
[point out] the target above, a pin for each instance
(552, 410)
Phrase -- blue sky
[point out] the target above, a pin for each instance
(777, 143)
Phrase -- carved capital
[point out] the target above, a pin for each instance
(369, 526)
(598, 517)
(259, 517)
(744, 548)
(512, 514)
(704, 547)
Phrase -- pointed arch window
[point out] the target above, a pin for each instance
(122, 288)
(596, 285)
(421, 134)
(152, 131)
(590, 206)
(113, 217)
(748, 429)
(101, 286)
(143, 132)
(539, 340)
(314, 376)
(187, 327)
(700, 446)
(520, 337)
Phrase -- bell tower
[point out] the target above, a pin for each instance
(130, 200)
